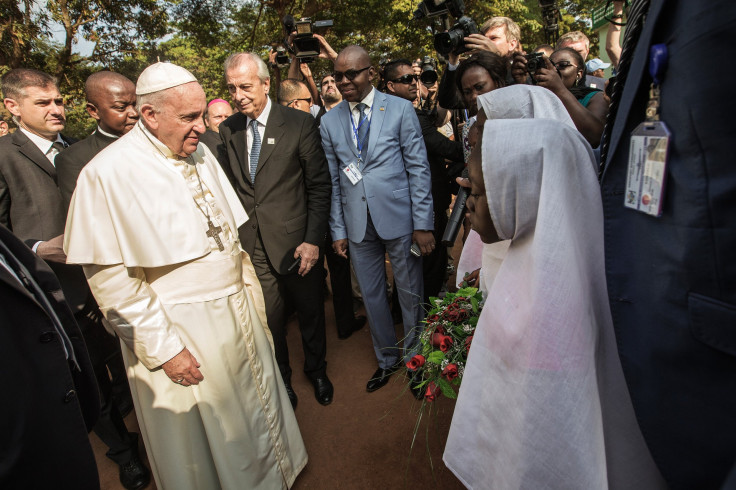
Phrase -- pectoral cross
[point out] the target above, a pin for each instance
(214, 232)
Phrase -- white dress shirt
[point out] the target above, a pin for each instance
(45, 145)
(262, 118)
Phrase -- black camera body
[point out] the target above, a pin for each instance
(452, 40)
(435, 8)
(305, 46)
(428, 75)
(534, 61)
(282, 57)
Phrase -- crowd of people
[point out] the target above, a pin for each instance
(155, 264)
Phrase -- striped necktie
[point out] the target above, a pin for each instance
(255, 150)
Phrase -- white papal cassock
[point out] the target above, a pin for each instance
(138, 223)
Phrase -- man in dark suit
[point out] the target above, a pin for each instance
(111, 102)
(274, 159)
(672, 278)
(217, 111)
(31, 206)
(52, 398)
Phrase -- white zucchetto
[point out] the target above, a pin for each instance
(160, 76)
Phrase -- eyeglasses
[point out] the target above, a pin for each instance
(308, 100)
(562, 64)
(350, 74)
(407, 79)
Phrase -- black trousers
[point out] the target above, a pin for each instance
(306, 296)
(342, 289)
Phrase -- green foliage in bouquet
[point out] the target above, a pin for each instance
(445, 342)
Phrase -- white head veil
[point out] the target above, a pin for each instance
(530, 413)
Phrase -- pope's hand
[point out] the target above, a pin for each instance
(182, 369)
(309, 254)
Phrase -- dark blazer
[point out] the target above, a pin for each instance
(291, 202)
(211, 140)
(32, 208)
(672, 279)
(48, 408)
(72, 160)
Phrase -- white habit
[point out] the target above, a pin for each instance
(164, 284)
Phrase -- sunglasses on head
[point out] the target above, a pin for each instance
(407, 79)
(350, 74)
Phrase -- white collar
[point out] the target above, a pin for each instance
(162, 148)
(263, 116)
(42, 143)
(105, 133)
(367, 100)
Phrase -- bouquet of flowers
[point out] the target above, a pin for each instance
(445, 342)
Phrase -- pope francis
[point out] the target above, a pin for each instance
(154, 223)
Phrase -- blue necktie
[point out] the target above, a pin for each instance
(364, 126)
(255, 150)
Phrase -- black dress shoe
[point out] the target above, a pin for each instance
(356, 325)
(323, 390)
(292, 394)
(134, 474)
(380, 378)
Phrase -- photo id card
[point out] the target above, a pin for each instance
(645, 176)
(353, 173)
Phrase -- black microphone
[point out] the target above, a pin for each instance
(295, 264)
(457, 215)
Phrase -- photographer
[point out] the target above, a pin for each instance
(499, 35)
(402, 81)
(564, 74)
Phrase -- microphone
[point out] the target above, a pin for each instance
(295, 264)
(457, 215)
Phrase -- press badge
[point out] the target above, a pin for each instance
(647, 167)
(353, 173)
(650, 141)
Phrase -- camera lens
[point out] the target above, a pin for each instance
(446, 42)
(428, 76)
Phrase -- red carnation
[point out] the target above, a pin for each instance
(416, 362)
(432, 392)
(450, 372)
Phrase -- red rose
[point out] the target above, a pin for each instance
(450, 371)
(433, 318)
(468, 341)
(444, 342)
(416, 362)
(432, 392)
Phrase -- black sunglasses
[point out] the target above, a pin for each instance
(407, 79)
(308, 100)
(350, 74)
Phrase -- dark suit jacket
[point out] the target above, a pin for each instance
(290, 202)
(211, 140)
(32, 208)
(72, 160)
(48, 408)
(672, 279)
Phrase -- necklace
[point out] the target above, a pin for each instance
(212, 230)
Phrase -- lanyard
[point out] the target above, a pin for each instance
(359, 143)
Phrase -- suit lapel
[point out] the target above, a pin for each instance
(239, 143)
(347, 124)
(31, 151)
(636, 72)
(272, 135)
(377, 114)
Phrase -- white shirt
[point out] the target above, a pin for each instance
(45, 145)
(262, 118)
(367, 100)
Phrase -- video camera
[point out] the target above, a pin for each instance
(305, 46)
(452, 40)
(436, 8)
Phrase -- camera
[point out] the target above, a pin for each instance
(305, 46)
(452, 40)
(282, 57)
(435, 8)
(534, 61)
(428, 75)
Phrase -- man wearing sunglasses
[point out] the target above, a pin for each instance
(381, 201)
(402, 82)
(295, 94)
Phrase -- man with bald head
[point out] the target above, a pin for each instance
(275, 161)
(217, 111)
(381, 201)
(111, 102)
(154, 223)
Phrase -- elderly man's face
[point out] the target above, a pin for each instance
(40, 110)
(178, 121)
(249, 93)
(216, 113)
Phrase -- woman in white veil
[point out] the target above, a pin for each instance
(543, 404)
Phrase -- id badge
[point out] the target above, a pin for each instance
(353, 173)
(645, 176)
